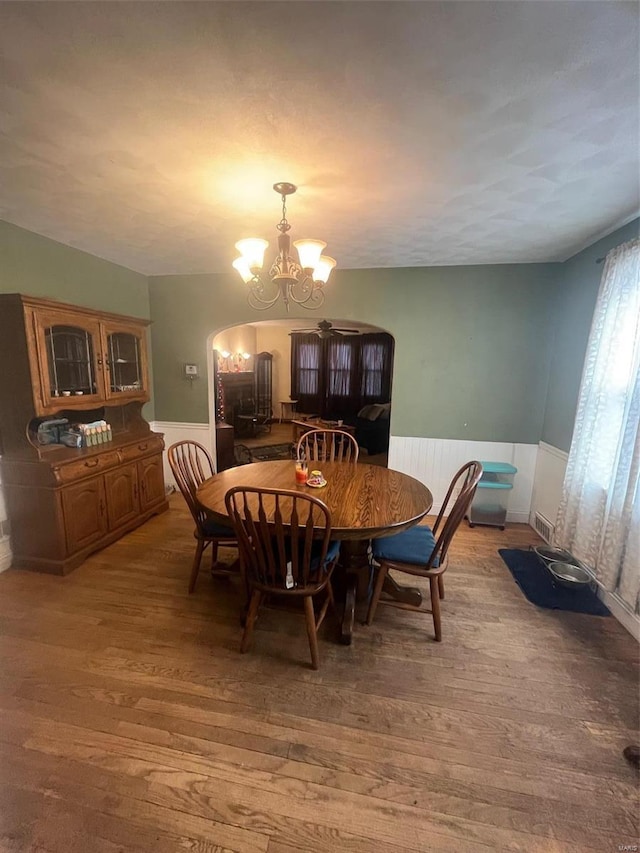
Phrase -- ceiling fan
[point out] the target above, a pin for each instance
(325, 330)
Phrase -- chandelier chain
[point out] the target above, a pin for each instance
(283, 226)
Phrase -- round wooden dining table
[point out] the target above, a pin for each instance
(365, 501)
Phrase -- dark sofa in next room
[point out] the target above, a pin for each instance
(372, 427)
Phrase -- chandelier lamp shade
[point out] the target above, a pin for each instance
(299, 280)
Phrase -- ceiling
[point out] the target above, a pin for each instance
(419, 133)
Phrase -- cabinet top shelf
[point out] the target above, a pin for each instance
(53, 305)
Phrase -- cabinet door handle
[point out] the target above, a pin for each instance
(101, 507)
(135, 491)
(91, 463)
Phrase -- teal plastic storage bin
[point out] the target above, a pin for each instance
(491, 500)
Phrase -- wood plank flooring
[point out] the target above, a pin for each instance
(130, 722)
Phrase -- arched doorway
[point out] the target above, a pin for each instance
(335, 370)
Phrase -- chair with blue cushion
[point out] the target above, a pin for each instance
(422, 551)
(192, 465)
(284, 539)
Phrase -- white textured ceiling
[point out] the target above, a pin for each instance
(419, 133)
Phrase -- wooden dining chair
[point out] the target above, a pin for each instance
(327, 445)
(422, 551)
(242, 454)
(284, 539)
(191, 465)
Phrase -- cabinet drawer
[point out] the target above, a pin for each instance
(144, 447)
(86, 467)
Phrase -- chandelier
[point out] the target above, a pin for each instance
(300, 281)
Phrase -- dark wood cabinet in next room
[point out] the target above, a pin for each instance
(63, 363)
(225, 457)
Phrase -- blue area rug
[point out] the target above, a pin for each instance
(536, 583)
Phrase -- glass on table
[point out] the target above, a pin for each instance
(301, 471)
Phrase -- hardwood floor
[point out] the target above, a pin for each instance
(278, 434)
(130, 722)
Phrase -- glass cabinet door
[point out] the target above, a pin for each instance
(125, 359)
(81, 362)
(71, 360)
(263, 368)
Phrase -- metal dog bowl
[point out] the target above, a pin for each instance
(555, 555)
(569, 575)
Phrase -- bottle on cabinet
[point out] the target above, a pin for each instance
(95, 433)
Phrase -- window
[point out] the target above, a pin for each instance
(373, 356)
(599, 515)
(335, 377)
(341, 357)
(309, 369)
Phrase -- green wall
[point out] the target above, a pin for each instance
(579, 283)
(489, 353)
(36, 266)
(472, 343)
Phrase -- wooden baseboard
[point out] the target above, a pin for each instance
(5, 554)
(621, 612)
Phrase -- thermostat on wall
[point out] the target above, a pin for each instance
(191, 371)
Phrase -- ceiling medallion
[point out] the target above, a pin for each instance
(299, 281)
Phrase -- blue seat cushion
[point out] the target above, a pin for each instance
(412, 546)
(333, 550)
(216, 530)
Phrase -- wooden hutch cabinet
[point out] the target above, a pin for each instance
(65, 362)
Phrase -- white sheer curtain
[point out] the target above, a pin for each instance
(599, 515)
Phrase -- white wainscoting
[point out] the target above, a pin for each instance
(5, 553)
(621, 612)
(174, 431)
(5, 544)
(551, 465)
(434, 461)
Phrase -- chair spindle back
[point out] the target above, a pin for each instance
(458, 498)
(276, 531)
(191, 465)
(327, 445)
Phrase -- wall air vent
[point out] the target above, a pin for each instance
(543, 527)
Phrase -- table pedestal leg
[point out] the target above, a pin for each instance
(354, 561)
(406, 594)
(346, 626)
(354, 585)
